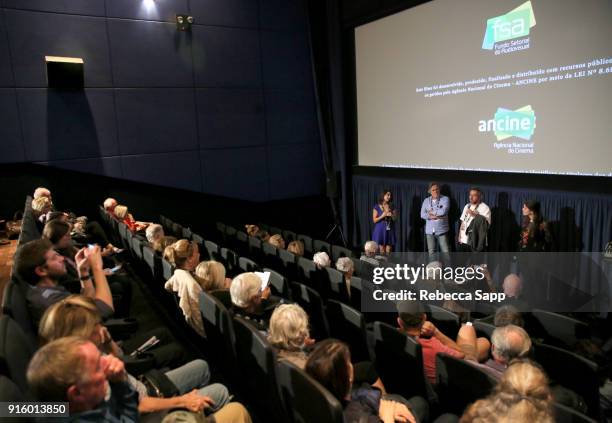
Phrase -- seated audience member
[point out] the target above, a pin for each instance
(251, 230)
(121, 214)
(58, 232)
(211, 276)
(160, 244)
(278, 241)
(290, 336)
(38, 264)
(412, 321)
(263, 235)
(250, 302)
(109, 206)
(347, 267)
(321, 260)
(296, 248)
(77, 315)
(508, 315)
(369, 254)
(80, 319)
(41, 206)
(513, 288)
(154, 232)
(522, 395)
(507, 343)
(73, 370)
(42, 192)
(289, 333)
(185, 256)
(330, 364)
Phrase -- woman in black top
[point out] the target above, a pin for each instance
(330, 364)
(535, 236)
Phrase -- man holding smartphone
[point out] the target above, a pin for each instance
(38, 264)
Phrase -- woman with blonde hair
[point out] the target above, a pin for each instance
(185, 256)
(296, 248)
(211, 275)
(289, 333)
(78, 316)
(522, 395)
(278, 241)
(122, 214)
(159, 245)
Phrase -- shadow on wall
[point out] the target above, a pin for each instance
(504, 231)
(71, 130)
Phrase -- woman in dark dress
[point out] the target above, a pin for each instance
(384, 216)
(535, 236)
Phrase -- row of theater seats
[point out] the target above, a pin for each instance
(232, 340)
(279, 388)
(275, 390)
(18, 334)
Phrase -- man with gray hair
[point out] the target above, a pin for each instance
(154, 232)
(513, 288)
(369, 254)
(507, 343)
(251, 301)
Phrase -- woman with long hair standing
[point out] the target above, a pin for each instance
(384, 216)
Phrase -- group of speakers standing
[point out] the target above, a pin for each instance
(475, 221)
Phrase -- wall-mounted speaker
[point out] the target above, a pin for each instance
(65, 72)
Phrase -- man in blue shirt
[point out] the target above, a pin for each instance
(435, 213)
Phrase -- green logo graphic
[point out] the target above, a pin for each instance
(508, 123)
(514, 24)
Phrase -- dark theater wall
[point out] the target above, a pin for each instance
(227, 109)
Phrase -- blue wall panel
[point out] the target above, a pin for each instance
(226, 57)
(6, 74)
(291, 116)
(282, 15)
(230, 117)
(286, 61)
(76, 7)
(105, 166)
(67, 125)
(297, 170)
(235, 13)
(156, 120)
(240, 173)
(151, 10)
(34, 35)
(10, 134)
(179, 170)
(226, 109)
(149, 54)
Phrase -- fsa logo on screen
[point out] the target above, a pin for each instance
(510, 32)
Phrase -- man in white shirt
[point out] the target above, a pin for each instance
(466, 241)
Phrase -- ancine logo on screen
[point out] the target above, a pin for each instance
(507, 123)
(509, 33)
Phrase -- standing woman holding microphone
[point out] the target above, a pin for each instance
(384, 216)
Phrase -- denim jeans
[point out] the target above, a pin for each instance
(196, 375)
(443, 244)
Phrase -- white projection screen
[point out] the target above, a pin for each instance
(505, 86)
